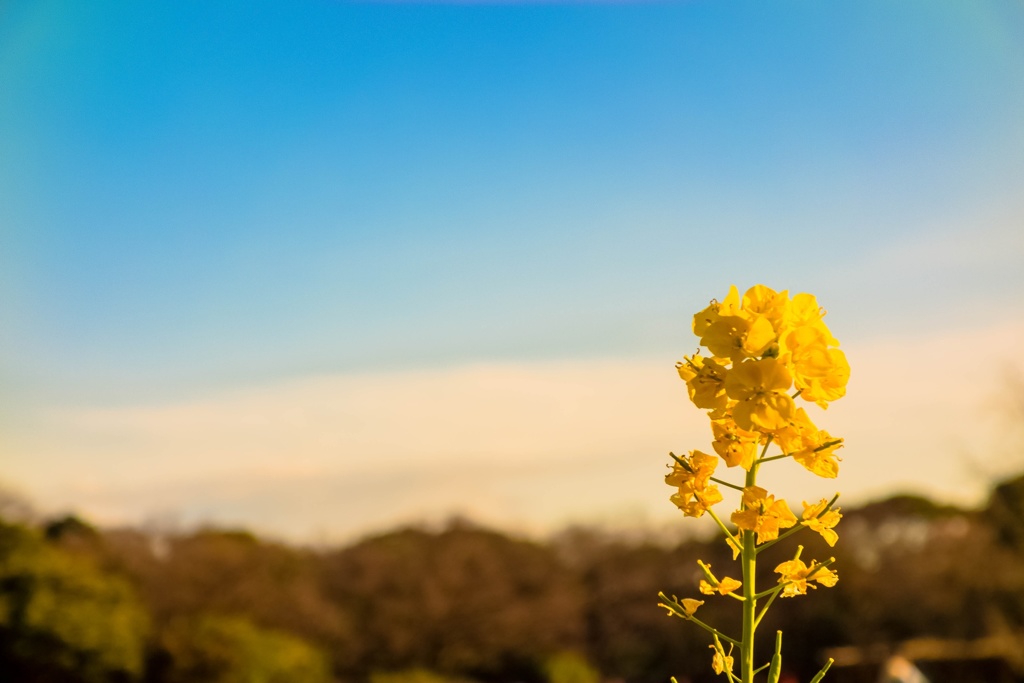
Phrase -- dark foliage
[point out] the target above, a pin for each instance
(78, 604)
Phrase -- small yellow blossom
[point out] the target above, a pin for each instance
(750, 331)
(805, 311)
(705, 381)
(795, 575)
(821, 459)
(759, 387)
(767, 303)
(693, 470)
(690, 605)
(815, 518)
(736, 446)
(811, 447)
(730, 306)
(763, 514)
(738, 337)
(725, 586)
(721, 662)
(697, 503)
(819, 371)
(692, 476)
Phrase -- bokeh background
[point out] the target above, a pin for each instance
(319, 270)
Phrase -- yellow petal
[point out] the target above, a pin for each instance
(690, 605)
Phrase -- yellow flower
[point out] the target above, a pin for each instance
(728, 307)
(690, 605)
(821, 459)
(819, 372)
(725, 586)
(750, 331)
(736, 446)
(721, 662)
(693, 470)
(813, 448)
(759, 387)
(766, 302)
(763, 514)
(816, 519)
(805, 311)
(795, 575)
(798, 434)
(696, 503)
(830, 382)
(692, 475)
(737, 337)
(705, 381)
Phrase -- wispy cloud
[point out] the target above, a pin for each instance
(524, 444)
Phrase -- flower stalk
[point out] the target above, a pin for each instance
(766, 351)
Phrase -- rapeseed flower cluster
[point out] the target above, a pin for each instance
(769, 357)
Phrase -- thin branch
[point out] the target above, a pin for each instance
(774, 457)
(721, 525)
(674, 607)
(725, 483)
(758, 461)
(775, 589)
(764, 609)
(784, 535)
(714, 630)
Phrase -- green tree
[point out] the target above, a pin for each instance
(570, 667)
(221, 649)
(61, 619)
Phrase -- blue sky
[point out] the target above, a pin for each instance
(200, 198)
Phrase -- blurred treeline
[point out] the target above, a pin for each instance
(79, 604)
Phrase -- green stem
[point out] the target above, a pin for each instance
(721, 653)
(821, 674)
(725, 483)
(774, 457)
(721, 525)
(677, 609)
(828, 444)
(766, 593)
(764, 610)
(713, 630)
(781, 537)
(748, 560)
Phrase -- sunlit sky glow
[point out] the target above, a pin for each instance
(322, 267)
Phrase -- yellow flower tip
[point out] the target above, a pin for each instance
(794, 575)
(690, 605)
(763, 514)
(706, 588)
(719, 661)
(816, 518)
(728, 585)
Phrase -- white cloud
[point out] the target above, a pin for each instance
(525, 444)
